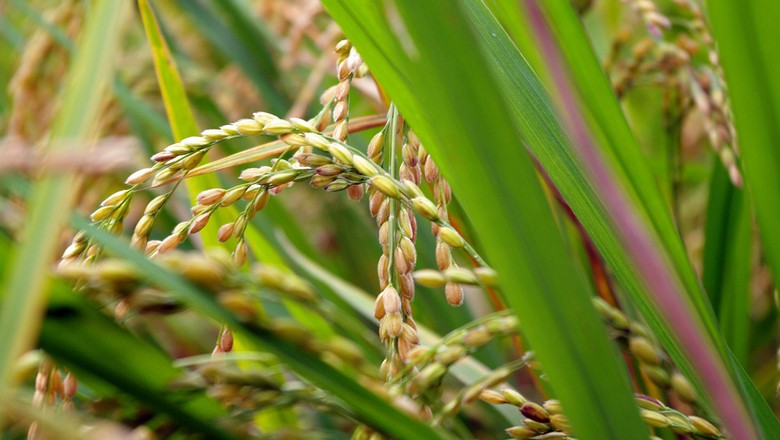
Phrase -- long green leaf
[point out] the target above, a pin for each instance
(83, 91)
(426, 57)
(178, 108)
(174, 95)
(115, 357)
(238, 39)
(745, 32)
(547, 139)
(727, 260)
(603, 114)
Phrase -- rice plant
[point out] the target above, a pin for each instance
(409, 220)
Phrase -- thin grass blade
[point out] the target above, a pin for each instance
(83, 91)
(727, 260)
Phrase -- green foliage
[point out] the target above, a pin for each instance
(569, 171)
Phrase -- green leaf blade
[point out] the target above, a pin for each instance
(459, 115)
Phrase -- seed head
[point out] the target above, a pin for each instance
(442, 187)
(261, 201)
(384, 212)
(233, 195)
(375, 147)
(521, 432)
(226, 341)
(264, 117)
(513, 397)
(430, 170)
(535, 412)
(451, 237)
(648, 402)
(409, 334)
(140, 176)
(115, 198)
(229, 129)
(163, 156)
(385, 185)
(149, 246)
(408, 251)
(73, 250)
(492, 396)
(454, 294)
(683, 387)
(293, 139)
(278, 126)
(355, 192)
(406, 283)
(553, 406)
(199, 223)
(406, 225)
(539, 427)
(459, 275)
(317, 141)
(340, 153)
(375, 202)
(644, 350)
(443, 255)
(392, 323)
(225, 232)
(165, 176)
(69, 386)
(425, 207)
(431, 374)
(560, 422)
(409, 155)
(503, 325)
(302, 125)
(195, 142)
(416, 353)
(340, 110)
(343, 47)
(210, 196)
(248, 127)
(679, 423)
(364, 166)
(429, 278)
(169, 243)
(449, 355)
(144, 225)
(412, 189)
(401, 264)
(102, 213)
(214, 134)
(282, 177)
(330, 169)
(342, 71)
(382, 269)
(318, 181)
(654, 419)
(477, 337)
(704, 427)
(240, 253)
(487, 276)
(391, 300)
(379, 306)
